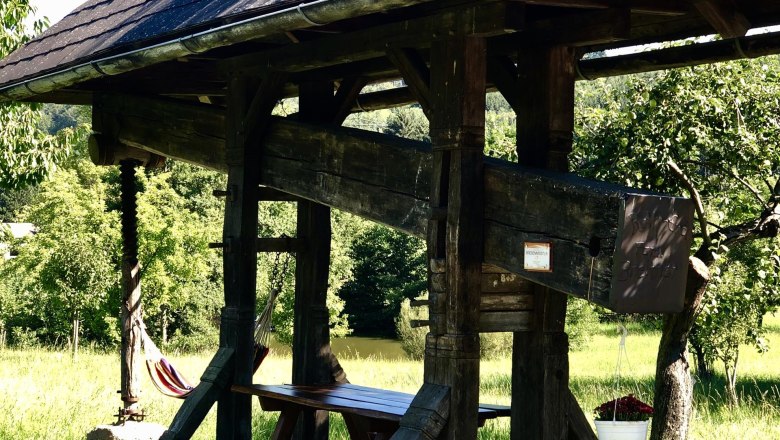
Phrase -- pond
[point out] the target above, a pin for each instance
(357, 346)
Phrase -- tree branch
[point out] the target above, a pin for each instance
(696, 200)
(747, 185)
(765, 226)
(756, 193)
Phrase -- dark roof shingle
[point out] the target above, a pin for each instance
(101, 28)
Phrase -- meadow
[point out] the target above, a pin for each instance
(45, 395)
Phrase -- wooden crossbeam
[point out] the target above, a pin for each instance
(491, 18)
(386, 179)
(575, 29)
(415, 72)
(724, 16)
(345, 97)
(660, 7)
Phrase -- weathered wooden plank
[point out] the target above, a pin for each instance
(239, 233)
(213, 384)
(579, 426)
(581, 28)
(724, 16)
(506, 302)
(415, 73)
(282, 244)
(387, 180)
(457, 84)
(427, 414)
(130, 351)
(487, 18)
(311, 330)
(540, 362)
(519, 321)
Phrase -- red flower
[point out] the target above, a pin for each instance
(626, 408)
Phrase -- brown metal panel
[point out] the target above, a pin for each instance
(651, 261)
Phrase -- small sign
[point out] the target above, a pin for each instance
(537, 257)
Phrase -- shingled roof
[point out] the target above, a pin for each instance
(99, 44)
(101, 28)
(88, 42)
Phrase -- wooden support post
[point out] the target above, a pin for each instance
(234, 410)
(457, 132)
(540, 369)
(311, 331)
(130, 369)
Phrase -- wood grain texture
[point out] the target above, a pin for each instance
(540, 359)
(311, 330)
(388, 180)
(213, 384)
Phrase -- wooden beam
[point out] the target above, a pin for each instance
(427, 414)
(724, 16)
(503, 73)
(752, 46)
(130, 311)
(579, 426)
(457, 81)
(540, 367)
(583, 28)
(659, 7)
(311, 330)
(345, 97)
(491, 18)
(415, 73)
(386, 179)
(213, 384)
(284, 244)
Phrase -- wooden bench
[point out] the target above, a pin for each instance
(369, 413)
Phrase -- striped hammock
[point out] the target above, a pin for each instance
(170, 382)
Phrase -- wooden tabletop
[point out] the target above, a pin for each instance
(364, 401)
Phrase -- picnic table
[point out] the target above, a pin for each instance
(369, 413)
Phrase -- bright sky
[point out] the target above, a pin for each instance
(55, 9)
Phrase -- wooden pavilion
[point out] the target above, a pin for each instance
(197, 80)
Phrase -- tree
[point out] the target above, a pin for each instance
(389, 267)
(709, 132)
(64, 274)
(179, 273)
(27, 153)
(733, 309)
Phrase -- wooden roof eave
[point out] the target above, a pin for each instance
(320, 12)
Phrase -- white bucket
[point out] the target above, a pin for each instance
(609, 430)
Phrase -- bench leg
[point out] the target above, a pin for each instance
(286, 424)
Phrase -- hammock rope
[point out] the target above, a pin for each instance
(170, 382)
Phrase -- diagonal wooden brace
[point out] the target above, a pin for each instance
(215, 380)
(427, 415)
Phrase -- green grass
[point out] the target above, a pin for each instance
(44, 395)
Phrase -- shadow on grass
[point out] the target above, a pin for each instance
(751, 391)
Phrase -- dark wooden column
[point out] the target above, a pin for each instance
(457, 85)
(540, 362)
(311, 337)
(234, 410)
(130, 369)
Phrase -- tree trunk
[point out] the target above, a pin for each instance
(164, 327)
(703, 367)
(75, 336)
(673, 385)
(731, 381)
(2, 336)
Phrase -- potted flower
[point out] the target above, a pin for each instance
(623, 419)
